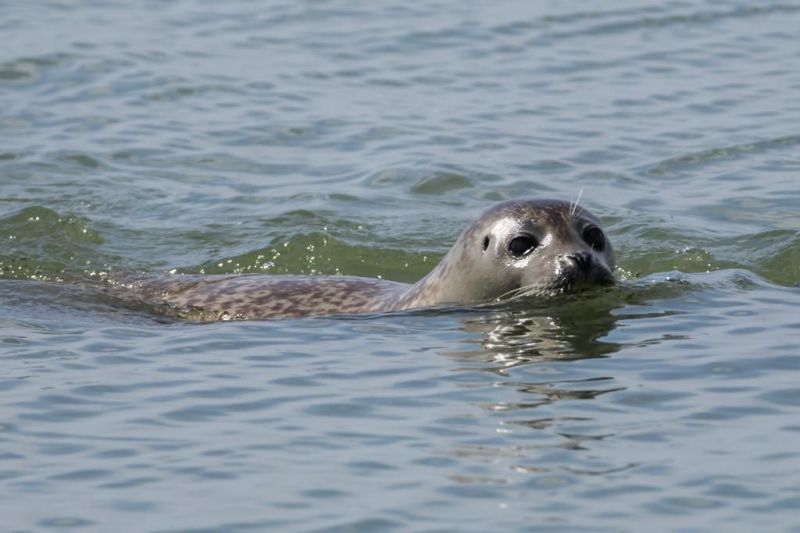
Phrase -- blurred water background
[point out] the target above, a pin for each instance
(325, 137)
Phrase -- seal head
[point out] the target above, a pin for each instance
(520, 248)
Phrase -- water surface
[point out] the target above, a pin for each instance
(329, 137)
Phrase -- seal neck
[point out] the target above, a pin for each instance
(433, 289)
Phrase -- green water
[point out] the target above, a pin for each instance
(340, 138)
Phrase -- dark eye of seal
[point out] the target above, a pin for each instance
(522, 245)
(594, 237)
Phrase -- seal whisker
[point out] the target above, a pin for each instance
(512, 294)
(521, 292)
(574, 206)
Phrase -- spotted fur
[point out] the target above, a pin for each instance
(467, 274)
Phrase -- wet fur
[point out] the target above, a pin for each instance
(467, 274)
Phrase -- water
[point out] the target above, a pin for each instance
(325, 137)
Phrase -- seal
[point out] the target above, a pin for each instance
(516, 249)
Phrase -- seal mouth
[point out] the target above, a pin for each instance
(572, 281)
(568, 280)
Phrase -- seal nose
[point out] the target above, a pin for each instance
(582, 260)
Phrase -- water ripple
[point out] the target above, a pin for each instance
(360, 139)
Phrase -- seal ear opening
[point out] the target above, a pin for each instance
(485, 243)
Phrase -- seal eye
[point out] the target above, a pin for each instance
(594, 237)
(522, 245)
(485, 243)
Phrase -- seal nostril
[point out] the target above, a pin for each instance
(582, 260)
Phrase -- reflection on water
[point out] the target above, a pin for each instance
(572, 327)
(515, 346)
(562, 333)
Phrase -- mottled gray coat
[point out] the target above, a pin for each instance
(480, 267)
